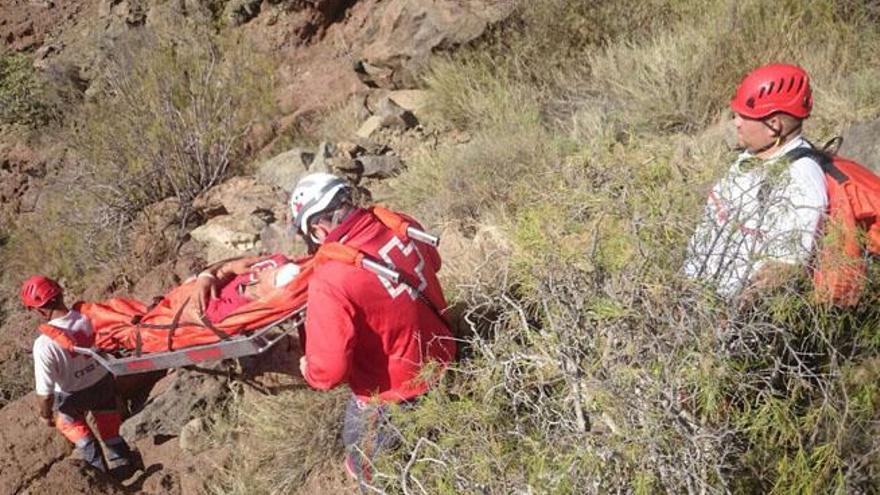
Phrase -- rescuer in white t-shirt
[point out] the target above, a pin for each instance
(761, 220)
(69, 385)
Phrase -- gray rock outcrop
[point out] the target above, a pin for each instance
(861, 143)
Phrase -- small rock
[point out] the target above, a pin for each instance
(349, 149)
(369, 127)
(345, 164)
(374, 76)
(373, 100)
(194, 436)
(387, 114)
(393, 115)
(41, 56)
(410, 99)
(379, 167)
(321, 163)
(371, 147)
(284, 170)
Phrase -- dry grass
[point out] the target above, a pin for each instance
(282, 441)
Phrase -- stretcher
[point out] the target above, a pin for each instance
(233, 347)
(131, 338)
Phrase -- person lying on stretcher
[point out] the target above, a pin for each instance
(226, 286)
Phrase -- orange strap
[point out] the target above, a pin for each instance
(392, 220)
(58, 335)
(337, 251)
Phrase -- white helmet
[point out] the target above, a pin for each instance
(312, 195)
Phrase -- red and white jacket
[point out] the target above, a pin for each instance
(365, 330)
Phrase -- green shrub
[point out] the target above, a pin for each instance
(170, 118)
(682, 78)
(23, 96)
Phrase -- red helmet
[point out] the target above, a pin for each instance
(774, 88)
(38, 290)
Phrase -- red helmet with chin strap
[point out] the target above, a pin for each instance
(39, 290)
(774, 88)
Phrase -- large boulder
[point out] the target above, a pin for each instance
(229, 236)
(171, 432)
(323, 158)
(166, 275)
(400, 35)
(861, 142)
(242, 196)
(285, 170)
(174, 401)
(238, 211)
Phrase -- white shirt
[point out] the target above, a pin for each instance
(56, 370)
(763, 210)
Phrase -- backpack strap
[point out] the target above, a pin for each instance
(58, 336)
(402, 227)
(825, 161)
(337, 251)
(394, 221)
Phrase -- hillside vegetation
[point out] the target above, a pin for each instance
(593, 130)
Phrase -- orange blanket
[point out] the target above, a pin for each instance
(122, 323)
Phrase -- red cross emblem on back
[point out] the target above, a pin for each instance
(408, 260)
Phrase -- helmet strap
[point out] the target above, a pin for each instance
(340, 214)
(779, 137)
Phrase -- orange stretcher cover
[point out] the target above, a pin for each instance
(121, 323)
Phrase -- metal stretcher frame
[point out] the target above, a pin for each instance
(234, 347)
